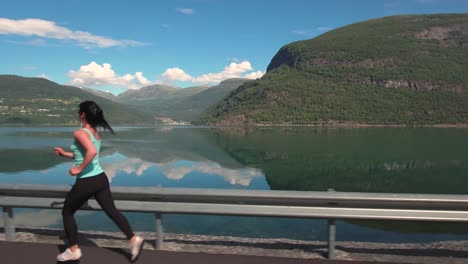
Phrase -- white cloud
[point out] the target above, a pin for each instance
(242, 176)
(97, 75)
(233, 70)
(176, 74)
(129, 166)
(185, 11)
(141, 79)
(43, 76)
(49, 29)
(176, 171)
(254, 75)
(94, 74)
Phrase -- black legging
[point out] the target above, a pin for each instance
(85, 188)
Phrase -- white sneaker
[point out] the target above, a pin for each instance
(69, 255)
(136, 247)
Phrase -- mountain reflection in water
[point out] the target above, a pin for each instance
(391, 160)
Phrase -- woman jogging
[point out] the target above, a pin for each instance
(91, 181)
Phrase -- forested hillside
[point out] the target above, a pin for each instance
(40, 101)
(393, 70)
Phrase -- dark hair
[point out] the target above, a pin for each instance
(94, 115)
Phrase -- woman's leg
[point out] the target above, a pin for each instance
(75, 198)
(105, 200)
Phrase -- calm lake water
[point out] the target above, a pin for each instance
(391, 160)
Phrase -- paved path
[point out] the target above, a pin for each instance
(34, 253)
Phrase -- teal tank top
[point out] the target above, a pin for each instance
(79, 153)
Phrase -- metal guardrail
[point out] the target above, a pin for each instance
(292, 204)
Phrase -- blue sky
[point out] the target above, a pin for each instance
(122, 44)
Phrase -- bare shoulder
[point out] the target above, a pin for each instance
(80, 133)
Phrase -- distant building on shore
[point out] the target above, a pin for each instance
(169, 121)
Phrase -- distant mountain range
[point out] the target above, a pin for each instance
(394, 70)
(37, 100)
(400, 70)
(178, 103)
(40, 101)
(107, 95)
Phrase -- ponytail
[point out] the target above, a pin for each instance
(106, 125)
(94, 115)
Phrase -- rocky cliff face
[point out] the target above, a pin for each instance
(446, 36)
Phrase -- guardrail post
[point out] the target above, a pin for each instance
(331, 235)
(159, 232)
(8, 224)
(331, 238)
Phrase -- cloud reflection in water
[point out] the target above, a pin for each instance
(177, 170)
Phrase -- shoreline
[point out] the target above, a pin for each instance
(252, 125)
(347, 125)
(447, 252)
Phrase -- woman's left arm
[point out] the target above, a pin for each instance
(85, 140)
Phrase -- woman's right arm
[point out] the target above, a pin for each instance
(63, 153)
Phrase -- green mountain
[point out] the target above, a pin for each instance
(40, 101)
(393, 70)
(147, 94)
(190, 108)
(178, 103)
(106, 95)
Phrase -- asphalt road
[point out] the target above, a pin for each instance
(35, 253)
